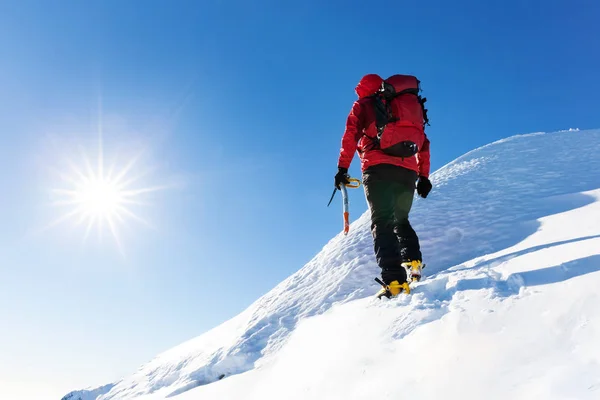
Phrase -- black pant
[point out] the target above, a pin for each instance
(390, 191)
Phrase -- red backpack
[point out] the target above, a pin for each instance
(400, 116)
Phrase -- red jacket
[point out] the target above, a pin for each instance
(360, 127)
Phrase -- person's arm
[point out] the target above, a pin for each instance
(423, 160)
(352, 135)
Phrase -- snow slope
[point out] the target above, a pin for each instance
(511, 237)
(89, 394)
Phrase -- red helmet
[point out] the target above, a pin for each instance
(368, 85)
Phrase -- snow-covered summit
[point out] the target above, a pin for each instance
(507, 229)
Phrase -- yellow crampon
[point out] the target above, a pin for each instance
(393, 289)
(413, 270)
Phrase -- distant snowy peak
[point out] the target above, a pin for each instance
(89, 394)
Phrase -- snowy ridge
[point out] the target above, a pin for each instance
(89, 394)
(503, 223)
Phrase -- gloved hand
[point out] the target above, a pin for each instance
(424, 186)
(342, 177)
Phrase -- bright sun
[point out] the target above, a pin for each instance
(97, 197)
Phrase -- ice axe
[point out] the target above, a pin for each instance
(353, 183)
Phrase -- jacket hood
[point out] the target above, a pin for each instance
(368, 85)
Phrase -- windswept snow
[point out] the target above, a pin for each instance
(89, 394)
(508, 309)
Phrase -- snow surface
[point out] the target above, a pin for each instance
(89, 394)
(508, 309)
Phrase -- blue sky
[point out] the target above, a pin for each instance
(237, 110)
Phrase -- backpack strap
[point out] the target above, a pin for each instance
(414, 91)
(383, 112)
(422, 100)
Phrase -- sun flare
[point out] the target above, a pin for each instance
(100, 198)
